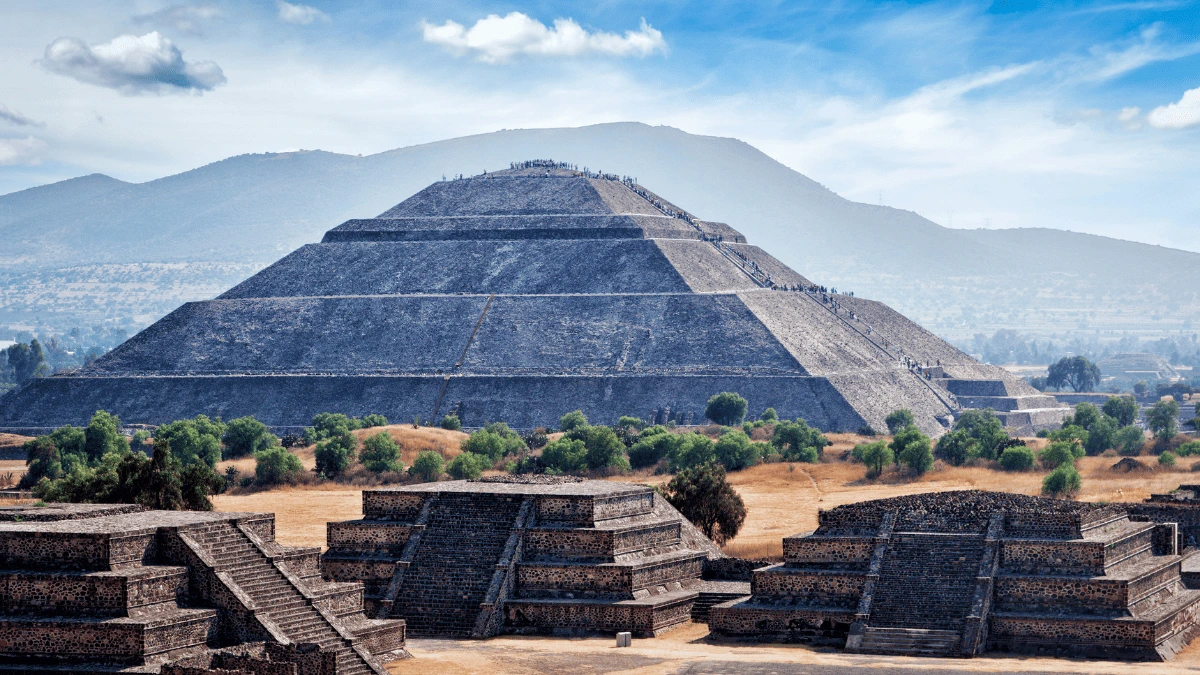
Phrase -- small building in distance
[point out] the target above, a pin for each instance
(103, 587)
(1129, 367)
(522, 554)
(963, 572)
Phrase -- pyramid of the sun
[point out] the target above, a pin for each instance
(518, 296)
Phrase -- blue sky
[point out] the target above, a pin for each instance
(1083, 116)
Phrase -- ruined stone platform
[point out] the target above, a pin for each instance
(521, 295)
(102, 587)
(521, 554)
(959, 573)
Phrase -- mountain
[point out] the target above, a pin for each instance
(248, 210)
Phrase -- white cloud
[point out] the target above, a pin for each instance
(21, 150)
(1130, 118)
(14, 117)
(1107, 63)
(496, 39)
(1179, 115)
(188, 19)
(132, 65)
(301, 15)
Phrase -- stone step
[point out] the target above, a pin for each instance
(909, 641)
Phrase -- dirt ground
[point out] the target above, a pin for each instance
(688, 651)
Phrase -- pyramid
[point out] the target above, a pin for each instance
(518, 296)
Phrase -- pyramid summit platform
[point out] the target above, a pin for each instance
(518, 296)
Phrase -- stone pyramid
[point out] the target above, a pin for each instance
(520, 295)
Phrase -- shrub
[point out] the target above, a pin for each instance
(328, 425)
(194, 440)
(369, 421)
(140, 441)
(276, 466)
(628, 421)
(704, 496)
(245, 436)
(291, 440)
(467, 465)
(494, 442)
(335, 455)
(735, 452)
(1129, 441)
(769, 415)
(798, 442)
(867, 430)
(1101, 435)
(1167, 459)
(877, 456)
(538, 438)
(1123, 409)
(1016, 458)
(1085, 415)
(1063, 481)
(899, 419)
(43, 459)
(428, 466)
(956, 448)
(451, 422)
(693, 450)
(652, 447)
(912, 449)
(604, 449)
(1070, 433)
(1058, 453)
(566, 455)
(726, 409)
(380, 453)
(1188, 449)
(572, 420)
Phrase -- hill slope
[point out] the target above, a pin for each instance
(250, 209)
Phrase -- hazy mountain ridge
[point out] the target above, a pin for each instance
(255, 208)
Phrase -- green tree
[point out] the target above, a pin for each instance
(1016, 458)
(769, 415)
(604, 449)
(197, 482)
(877, 456)
(1086, 414)
(652, 445)
(276, 466)
(1188, 449)
(735, 452)
(1163, 419)
(726, 409)
(1058, 453)
(1073, 371)
(566, 455)
(43, 459)
(372, 421)
(428, 466)
(798, 442)
(335, 455)
(693, 450)
(26, 361)
(451, 422)
(912, 449)
(898, 419)
(631, 422)
(328, 425)
(163, 488)
(956, 448)
(572, 420)
(1129, 441)
(245, 436)
(494, 441)
(1063, 481)
(1167, 459)
(1124, 409)
(103, 435)
(467, 466)
(1101, 436)
(703, 495)
(985, 428)
(194, 440)
(1140, 387)
(380, 453)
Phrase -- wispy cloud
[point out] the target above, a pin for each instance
(1179, 115)
(1108, 62)
(132, 65)
(496, 39)
(14, 117)
(189, 19)
(21, 151)
(301, 15)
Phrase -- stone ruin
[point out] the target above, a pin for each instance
(537, 554)
(518, 296)
(1181, 506)
(116, 587)
(959, 573)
